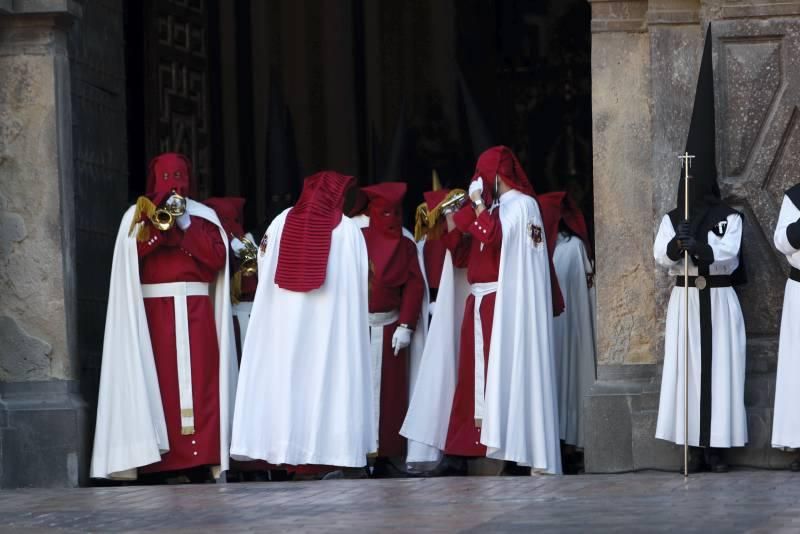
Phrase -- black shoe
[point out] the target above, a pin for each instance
(384, 468)
(714, 461)
(512, 469)
(449, 466)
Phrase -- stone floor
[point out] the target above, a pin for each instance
(741, 501)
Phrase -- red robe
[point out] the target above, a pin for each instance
(433, 254)
(195, 255)
(395, 283)
(483, 265)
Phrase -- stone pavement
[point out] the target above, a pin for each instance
(740, 501)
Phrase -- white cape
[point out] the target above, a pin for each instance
(131, 431)
(574, 336)
(431, 399)
(521, 406)
(305, 387)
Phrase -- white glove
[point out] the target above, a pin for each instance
(401, 339)
(237, 246)
(431, 307)
(184, 221)
(476, 186)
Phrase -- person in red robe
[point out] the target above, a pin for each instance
(191, 251)
(479, 252)
(230, 211)
(438, 240)
(396, 291)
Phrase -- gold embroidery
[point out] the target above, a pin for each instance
(187, 430)
(187, 412)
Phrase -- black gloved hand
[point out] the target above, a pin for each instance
(689, 244)
(684, 230)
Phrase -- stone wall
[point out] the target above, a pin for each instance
(41, 417)
(755, 51)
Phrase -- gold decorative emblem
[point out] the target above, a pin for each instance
(700, 283)
(535, 233)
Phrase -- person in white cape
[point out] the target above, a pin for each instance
(433, 383)
(309, 339)
(415, 451)
(242, 253)
(169, 370)
(786, 422)
(574, 330)
(504, 404)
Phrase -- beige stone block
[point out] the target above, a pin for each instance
(623, 197)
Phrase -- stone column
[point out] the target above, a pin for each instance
(621, 408)
(41, 414)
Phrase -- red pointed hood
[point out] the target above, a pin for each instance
(230, 211)
(558, 207)
(168, 172)
(501, 161)
(306, 238)
(386, 208)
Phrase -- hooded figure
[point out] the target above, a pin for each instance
(434, 379)
(573, 330)
(712, 237)
(309, 338)
(786, 424)
(396, 291)
(244, 279)
(168, 376)
(504, 402)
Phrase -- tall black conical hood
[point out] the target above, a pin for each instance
(701, 141)
(282, 169)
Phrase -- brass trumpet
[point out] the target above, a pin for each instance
(249, 258)
(453, 203)
(165, 216)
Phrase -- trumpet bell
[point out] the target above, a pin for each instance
(164, 217)
(249, 258)
(249, 267)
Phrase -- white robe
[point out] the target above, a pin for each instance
(305, 389)
(574, 334)
(434, 382)
(728, 417)
(786, 422)
(131, 431)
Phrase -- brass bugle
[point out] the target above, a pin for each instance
(164, 217)
(454, 203)
(249, 257)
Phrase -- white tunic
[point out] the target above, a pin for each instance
(786, 423)
(305, 390)
(728, 417)
(574, 336)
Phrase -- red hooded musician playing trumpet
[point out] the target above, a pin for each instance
(169, 371)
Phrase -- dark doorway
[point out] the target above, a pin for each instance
(260, 94)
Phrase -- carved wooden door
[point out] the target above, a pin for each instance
(177, 84)
(758, 93)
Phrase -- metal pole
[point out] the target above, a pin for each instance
(686, 163)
